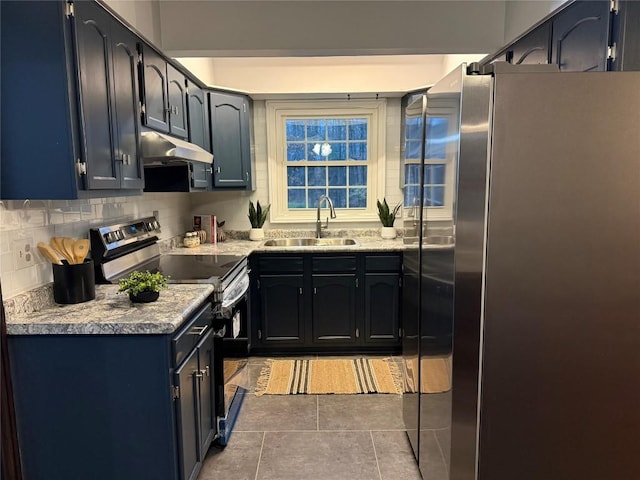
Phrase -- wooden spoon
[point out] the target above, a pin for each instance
(80, 250)
(49, 253)
(56, 243)
(68, 244)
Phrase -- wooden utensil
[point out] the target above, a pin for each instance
(67, 244)
(56, 243)
(80, 250)
(49, 253)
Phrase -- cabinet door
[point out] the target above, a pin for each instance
(94, 64)
(187, 417)
(381, 308)
(228, 122)
(198, 115)
(200, 174)
(532, 48)
(580, 37)
(154, 91)
(207, 419)
(334, 308)
(177, 102)
(125, 89)
(281, 305)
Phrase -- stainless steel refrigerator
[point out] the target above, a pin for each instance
(522, 276)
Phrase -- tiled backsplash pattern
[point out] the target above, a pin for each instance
(39, 220)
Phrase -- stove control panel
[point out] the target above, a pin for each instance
(115, 236)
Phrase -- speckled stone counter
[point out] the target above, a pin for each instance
(112, 313)
(246, 247)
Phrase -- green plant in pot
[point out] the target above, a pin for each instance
(387, 217)
(143, 287)
(257, 217)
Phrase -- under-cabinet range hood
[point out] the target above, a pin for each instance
(160, 149)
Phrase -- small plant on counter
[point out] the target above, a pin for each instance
(143, 287)
(387, 216)
(257, 216)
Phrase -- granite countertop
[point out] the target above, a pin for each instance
(113, 314)
(246, 247)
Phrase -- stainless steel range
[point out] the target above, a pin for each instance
(122, 248)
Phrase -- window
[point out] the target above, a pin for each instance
(438, 165)
(325, 148)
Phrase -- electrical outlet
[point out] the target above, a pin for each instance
(23, 253)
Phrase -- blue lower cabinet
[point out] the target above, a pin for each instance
(316, 303)
(107, 407)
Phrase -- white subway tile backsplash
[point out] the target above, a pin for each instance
(40, 220)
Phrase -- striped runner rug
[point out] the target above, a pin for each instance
(342, 376)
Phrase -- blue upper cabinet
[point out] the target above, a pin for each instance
(163, 94)
(69, 102)
(231, 140)
(580, 37)
(531, 49)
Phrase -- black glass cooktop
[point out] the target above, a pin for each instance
(194, 268)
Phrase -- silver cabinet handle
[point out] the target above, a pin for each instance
(202, 373)
(210, 171)
(198, 330)
(246, 174)
(218, 170)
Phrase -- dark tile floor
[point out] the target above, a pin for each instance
(324, 437)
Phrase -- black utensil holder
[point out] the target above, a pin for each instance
(74, 283)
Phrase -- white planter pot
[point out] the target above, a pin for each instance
(388, 232)
(256, 234)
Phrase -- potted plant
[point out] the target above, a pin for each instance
(257, 217)
(143, 287)
(387, 217)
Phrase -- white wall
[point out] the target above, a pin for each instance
(381, 74)
(233, 206)
(144, 15)
(522, 14)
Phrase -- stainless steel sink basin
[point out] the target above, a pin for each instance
(309, 242)
(336, 241)
(439, 240)
(433, 242)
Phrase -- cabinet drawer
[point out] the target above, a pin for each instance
(334, 264)
(280, 264)
(383, 263)
(191, 333)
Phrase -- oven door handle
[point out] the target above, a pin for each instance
(242, 286)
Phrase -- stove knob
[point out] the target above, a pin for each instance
(119, 235)
(110, 238)
(156, 225)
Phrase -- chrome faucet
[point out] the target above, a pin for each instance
(332, 211)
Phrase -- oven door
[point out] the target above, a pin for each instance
(232, 347)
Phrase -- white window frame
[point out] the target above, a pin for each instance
(446, 211)
(277, 113)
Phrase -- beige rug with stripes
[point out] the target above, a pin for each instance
(434, 371)
(315, 377)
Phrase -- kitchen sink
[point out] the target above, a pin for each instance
(309, 242)
(439, 240)
(433, 241)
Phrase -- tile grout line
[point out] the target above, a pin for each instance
(264, 434)
(375, 454)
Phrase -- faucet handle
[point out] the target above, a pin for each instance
(326, 223)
